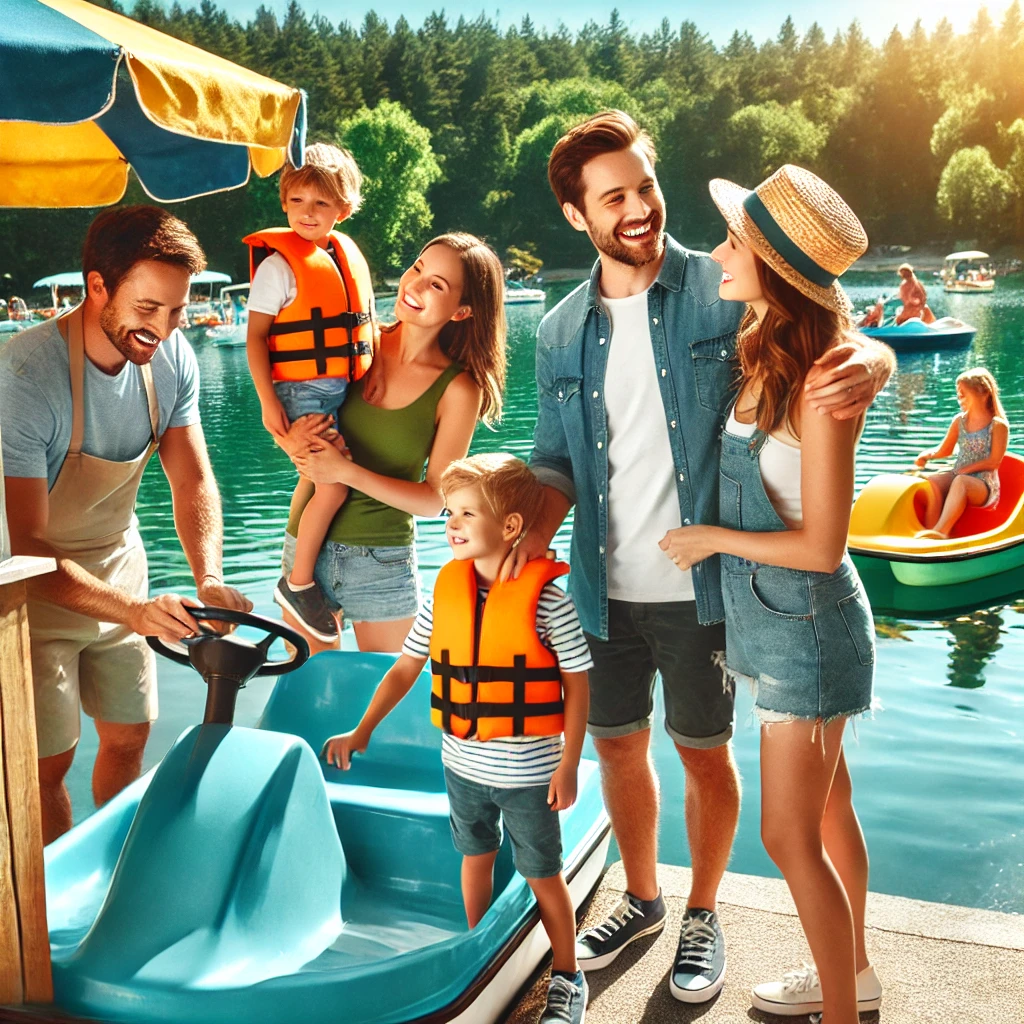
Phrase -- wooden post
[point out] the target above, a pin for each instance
(25, 975)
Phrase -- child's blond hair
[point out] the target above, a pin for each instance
(507, 484)
(981, 382)
(331, 170)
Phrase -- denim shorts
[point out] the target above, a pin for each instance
(322, 396)
(806, 639)
(368, 584)
(647, 640)
(478, 812)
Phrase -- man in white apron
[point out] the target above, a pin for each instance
(85, 399)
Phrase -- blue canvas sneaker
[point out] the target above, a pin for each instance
(632, 919)
(567, 1000)
(699, 971)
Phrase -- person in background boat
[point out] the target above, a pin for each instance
(496, 774)
(980, 435)
(634, 379)
(441, 368)
(85, 399)
(798, 623)
(874, 316)
(311, 271)
(913, 296)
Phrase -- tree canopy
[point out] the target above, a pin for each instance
(452, 123)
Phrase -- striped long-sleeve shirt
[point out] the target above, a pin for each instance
(517, 761)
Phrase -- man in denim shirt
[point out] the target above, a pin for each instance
(634, 370)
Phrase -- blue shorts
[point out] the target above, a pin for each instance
(368, 584)
(322, 396)
(477, 813)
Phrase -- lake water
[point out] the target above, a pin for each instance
(938, 773)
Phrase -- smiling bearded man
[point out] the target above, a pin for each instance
(85, 399)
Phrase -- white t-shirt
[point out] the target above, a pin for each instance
(273, 286)
(780, 471)
(643, 504)
(517, 761)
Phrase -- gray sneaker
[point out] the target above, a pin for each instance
(310, 609)
(632, 919)
(699, 971)
(567, 1000)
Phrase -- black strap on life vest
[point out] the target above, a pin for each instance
(318, 324)
(517, 674)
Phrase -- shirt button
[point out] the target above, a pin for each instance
(595, 394)
(600, 444)
(601, 549)
(673, 424)
(601, 341)
(724, 353)
(655, 320)
(664, 372)
(686, 522)
(559, 394)
(681, 477)
(600, 498)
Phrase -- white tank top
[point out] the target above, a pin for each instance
(780, 472)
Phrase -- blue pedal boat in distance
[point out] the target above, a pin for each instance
(916, 336)
(245, 880)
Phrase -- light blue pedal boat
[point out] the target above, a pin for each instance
(242, 880)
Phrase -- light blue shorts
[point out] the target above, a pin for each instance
(367, 584)
(322, 396)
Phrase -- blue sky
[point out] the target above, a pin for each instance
(718, 20)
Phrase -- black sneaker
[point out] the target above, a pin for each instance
(699, 971)
(310, 609)
(567, 1000)
(633, 918)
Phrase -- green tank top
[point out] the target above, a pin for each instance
(392, 442)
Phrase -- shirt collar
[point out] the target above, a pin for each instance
(670, 276)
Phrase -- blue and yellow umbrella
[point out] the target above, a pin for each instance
(84, 93)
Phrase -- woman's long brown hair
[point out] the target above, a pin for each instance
(777, 352)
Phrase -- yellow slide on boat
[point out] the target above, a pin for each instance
(887, 515)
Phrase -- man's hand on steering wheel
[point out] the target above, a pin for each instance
(214, 593)
(166, 616)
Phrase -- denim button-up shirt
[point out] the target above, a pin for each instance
(693, 333)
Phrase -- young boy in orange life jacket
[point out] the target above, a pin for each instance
(310, 334)
(503, 762)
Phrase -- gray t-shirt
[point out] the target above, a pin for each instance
(35, 402)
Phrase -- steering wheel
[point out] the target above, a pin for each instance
(227, 655)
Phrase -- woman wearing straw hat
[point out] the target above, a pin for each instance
(798, 622)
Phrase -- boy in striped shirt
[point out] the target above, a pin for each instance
(521, 781)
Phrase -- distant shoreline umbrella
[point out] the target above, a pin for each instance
(85, 92)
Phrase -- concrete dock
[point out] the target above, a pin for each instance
(937, 963)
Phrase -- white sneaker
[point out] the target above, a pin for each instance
(799, 992)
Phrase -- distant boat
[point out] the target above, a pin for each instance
(915, 335)
(965, 273)
(517, 294)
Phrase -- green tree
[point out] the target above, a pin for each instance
(761, 138)
(398, 164)
(974, 193)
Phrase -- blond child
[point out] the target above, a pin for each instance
(979, 435)
(504, 764)
(310, 335)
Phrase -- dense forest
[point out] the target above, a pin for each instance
(452, 124)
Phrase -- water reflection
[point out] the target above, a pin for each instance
(974, 640)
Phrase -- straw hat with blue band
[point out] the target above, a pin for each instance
(800, 227)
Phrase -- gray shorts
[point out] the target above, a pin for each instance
(477, 813)
(368, 584)
(645, 640)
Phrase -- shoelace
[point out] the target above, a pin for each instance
(560, 996)
(618, 918)
(803, 979)
(696, 944)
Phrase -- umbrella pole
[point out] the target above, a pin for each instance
(25, 975)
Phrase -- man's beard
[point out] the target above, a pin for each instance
(609, 245)
(123, 337)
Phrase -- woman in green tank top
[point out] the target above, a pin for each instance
(441, 368)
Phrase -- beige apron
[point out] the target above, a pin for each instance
(105, 666)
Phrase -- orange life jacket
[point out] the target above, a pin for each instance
(326, 331)
(504, 681)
